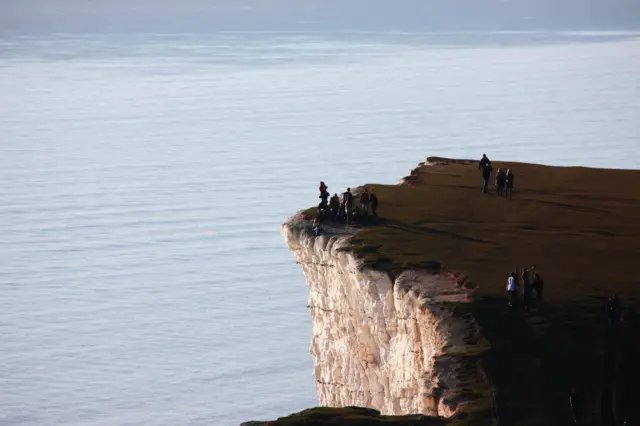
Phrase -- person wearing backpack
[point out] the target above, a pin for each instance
(486, 175)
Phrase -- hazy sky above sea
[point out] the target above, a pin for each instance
(32, 16)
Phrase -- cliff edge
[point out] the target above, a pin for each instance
(409, 312)
(390, 343)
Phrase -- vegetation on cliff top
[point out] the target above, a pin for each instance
(348, 416)
(580, 226)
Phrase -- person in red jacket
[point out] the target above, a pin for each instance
(324, 195)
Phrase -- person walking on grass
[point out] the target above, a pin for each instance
(538, 286)
(374, 204)
(512, 289)
(501, 179)
(483, 162)
(486, 176)
(509, 181)
(527, 287)
(364, 202)
(347, 200)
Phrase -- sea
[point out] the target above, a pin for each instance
(145, 176)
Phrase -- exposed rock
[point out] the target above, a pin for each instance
(390, 344)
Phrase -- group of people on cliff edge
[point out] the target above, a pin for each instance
(504, 179)
(341, 208)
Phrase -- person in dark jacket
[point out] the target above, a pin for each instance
(501, 179)
(347, 200)
(364, 202)
(538, 286)
(374, 204)
(510, 178)
(483, 162)
(486, 175)
(334, 204)
(527, 287)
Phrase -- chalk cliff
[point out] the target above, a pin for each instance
(396, 344)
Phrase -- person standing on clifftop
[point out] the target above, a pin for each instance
(485, 166)
(364, 202)
(374, 204)
(527, 287)
(334, 204)
(483, 162)
(324, 195)
(347, 200)
(501, 179)
(538, 286)
(509, 179)
(512, 289)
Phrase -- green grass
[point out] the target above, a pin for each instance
(580, 226)
(351, 416)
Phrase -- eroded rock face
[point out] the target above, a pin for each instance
(395, 346)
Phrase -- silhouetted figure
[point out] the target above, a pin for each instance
(614, 311)
(374, 204)
(334, 204)
(538, 286)
(575, 405)
(347, 200)
(512, 289)
(323, 188)
(364, 202)
(483, 162)
(510, 178)
(486, 175)
(501, 179)
(324, 195)
(527, 287)
(317, 227)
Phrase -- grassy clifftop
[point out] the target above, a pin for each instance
(580, 226)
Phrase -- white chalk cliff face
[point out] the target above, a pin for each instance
(395, 346)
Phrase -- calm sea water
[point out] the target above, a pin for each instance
(143, 279)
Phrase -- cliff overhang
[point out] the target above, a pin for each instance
(433, 269)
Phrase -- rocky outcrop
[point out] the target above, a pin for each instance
(395, 344)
